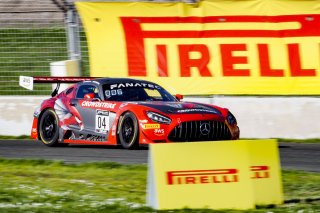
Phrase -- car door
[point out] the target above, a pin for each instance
(94, 114)
(86, 116)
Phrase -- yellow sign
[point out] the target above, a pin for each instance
(246, 48)
(265, 171)
(216, 175)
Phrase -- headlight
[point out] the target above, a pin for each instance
(158, 118)
(231, 119)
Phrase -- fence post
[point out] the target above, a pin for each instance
(73, 34)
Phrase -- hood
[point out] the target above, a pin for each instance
(181, 107)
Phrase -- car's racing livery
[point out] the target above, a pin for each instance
(123, 111)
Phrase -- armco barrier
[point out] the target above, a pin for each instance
(258, 117)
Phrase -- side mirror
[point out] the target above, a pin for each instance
(89, 96)
(179, 97)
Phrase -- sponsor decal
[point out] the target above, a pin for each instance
(213, 176)
(126, 85)
(151, 126)
(97, 104)
(159, 132)
(26, 82)
(113, 131)
(102, 121)
(123, 105)
(37, 112)
(296, 26)
(96, 138)
(202, 176)
(197, 111)
(143, 121)
(34, 133)
(260, 172)
(109, 93)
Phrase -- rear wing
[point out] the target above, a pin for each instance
(27, 82)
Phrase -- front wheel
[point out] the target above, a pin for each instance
(128, 131)
(49, 128)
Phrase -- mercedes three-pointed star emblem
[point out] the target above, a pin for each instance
(205, 128)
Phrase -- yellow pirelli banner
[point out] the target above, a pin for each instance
(212, 47)
(216, 175)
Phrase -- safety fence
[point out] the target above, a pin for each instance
(33, 34)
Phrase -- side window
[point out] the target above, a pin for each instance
(85, 89)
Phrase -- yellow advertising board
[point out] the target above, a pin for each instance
(216, 175)
(212, 47)
(265, 171)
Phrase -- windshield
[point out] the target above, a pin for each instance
(135, 92)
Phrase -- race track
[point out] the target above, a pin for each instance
(293, 155)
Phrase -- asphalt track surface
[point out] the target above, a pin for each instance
(296, 156)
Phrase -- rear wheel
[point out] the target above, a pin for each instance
(49, 128)
(128, 131)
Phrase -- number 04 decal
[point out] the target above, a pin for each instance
(102, 121)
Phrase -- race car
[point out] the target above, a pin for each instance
(124, 111)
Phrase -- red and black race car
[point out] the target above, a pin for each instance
(123, 111)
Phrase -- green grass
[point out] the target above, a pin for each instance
(312, 140)
(50, 186)
(32, 185)
(10, 137)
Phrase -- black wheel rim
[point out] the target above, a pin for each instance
(127, 130)
(49, 127)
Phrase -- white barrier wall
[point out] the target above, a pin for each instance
(274, 117)
(258, 117)
(16, 114)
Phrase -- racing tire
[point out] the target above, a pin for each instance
(128, 131)
(49, 128)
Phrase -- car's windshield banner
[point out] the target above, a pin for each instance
(134, 85)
